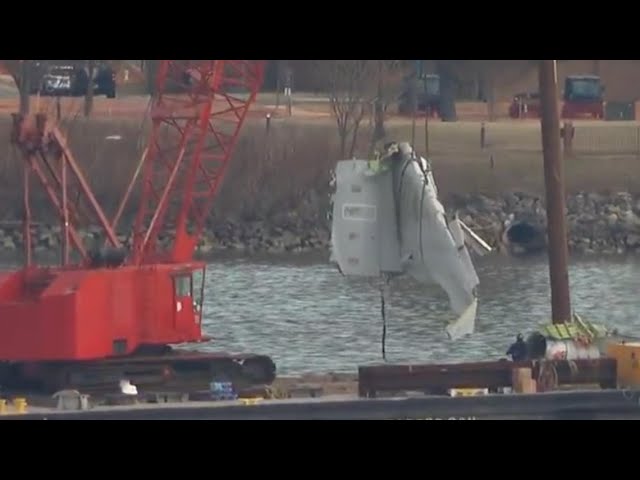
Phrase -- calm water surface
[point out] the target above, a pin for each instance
(308, 317)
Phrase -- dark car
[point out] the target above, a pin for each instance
(73, 80)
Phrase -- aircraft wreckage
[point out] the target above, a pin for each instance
(388, 222)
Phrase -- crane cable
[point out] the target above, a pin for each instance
(425, 184)
(383, 341)
(386, 277)
(384, 325)
(398, 194)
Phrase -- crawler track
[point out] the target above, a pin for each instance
(171, 369)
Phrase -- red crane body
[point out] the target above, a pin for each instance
(113, 302)
(87, 314)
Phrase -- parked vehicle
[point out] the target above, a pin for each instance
(72, 80)
(525, 105)
(427, 95)
(583, 97)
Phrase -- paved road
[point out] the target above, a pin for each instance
(8, 90)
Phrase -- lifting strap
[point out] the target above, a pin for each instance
(384, 325)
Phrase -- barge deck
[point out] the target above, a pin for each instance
(582, 405)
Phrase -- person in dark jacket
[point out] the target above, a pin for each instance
(518, 350)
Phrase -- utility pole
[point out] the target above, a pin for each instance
(554, 186)
(427, 109)
(26, 72)
(418, 76)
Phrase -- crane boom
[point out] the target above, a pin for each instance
(49, 159)
(120, 313)
(199, 105)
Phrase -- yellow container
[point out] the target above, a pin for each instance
(3, 406)
(627, 356)
(468, 392)
(20, 404)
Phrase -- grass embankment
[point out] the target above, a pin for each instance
(288, 167)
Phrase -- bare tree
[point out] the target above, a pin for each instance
(350, 91)
(489, 76)
(486, 72)
(448, 70)
(279, 73)
(150, 72)
(389, 76)
(494, 75)
(88, 98)
(21, 71)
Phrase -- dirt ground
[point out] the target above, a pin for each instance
(605, 156)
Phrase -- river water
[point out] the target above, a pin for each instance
(309, 318)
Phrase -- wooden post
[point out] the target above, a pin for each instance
(26, 74)
(27, 215)
(414, 108)
(554, 186)
(426, 129)
(568, 132)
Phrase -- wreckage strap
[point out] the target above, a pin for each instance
(424, 188)
(397, 195)
(404, 170)
(383, 340)
(561, 331)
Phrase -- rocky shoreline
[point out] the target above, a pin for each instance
(598, 224)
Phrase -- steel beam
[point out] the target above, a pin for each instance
(437, 379)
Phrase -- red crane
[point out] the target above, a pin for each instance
(108, 307)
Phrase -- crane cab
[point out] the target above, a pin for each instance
(188, 296)
(170, 304)
(583, 97)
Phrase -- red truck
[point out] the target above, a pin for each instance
(582, 98)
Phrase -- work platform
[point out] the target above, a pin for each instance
(388, 392)
(577, 405)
